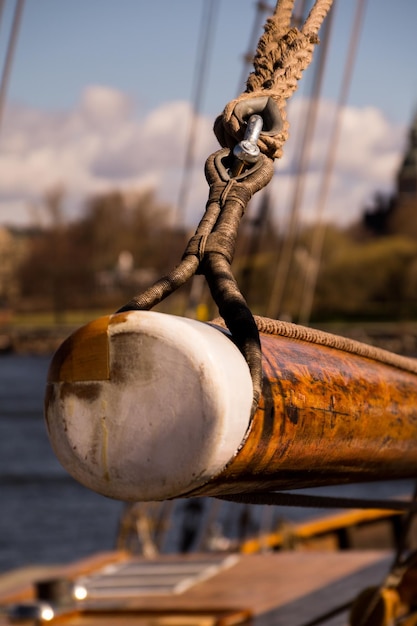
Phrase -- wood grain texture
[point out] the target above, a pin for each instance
(325, 417)
(281, 589)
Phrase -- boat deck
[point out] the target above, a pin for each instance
(271, 589)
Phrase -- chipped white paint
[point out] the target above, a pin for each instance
(172, 413)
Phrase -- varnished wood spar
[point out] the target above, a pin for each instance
(325, 417)
(144, 406)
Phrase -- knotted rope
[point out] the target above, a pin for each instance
(210, 252)
(283, 53)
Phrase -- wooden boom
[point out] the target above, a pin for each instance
(146, 406)
(326, 416)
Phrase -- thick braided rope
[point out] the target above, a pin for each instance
(282, 16)
(312, 335)
(283, 53)
(316, 16)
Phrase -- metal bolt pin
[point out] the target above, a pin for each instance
(247, 151)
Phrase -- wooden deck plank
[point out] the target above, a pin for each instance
(16, 585)
(306, 609)
(277, 588)
(271, 579)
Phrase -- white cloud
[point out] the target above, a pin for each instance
(103, 106)
(102, 143)
(368, 155)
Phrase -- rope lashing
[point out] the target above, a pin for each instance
(210, 252)
(242, 168)
(283, 53)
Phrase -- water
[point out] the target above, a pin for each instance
(46, 517)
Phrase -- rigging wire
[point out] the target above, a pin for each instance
(206, 33)
(312, 269)
(274, 308)
(260, 222)
(196, 302)
(10, 52)
(261, 8)
(207, 27)
(2, 3)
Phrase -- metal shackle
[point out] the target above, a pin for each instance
(247, 150)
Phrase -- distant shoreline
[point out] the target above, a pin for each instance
(46, 339)
(33, 340)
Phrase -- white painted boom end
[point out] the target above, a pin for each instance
(147, 406)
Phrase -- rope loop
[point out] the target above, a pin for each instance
(210, 252)
(283, 53)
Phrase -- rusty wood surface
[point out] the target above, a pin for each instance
(325, 417)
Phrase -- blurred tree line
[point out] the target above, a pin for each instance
(367, 271)
(123, 242)
(373, 265)
(120, 245)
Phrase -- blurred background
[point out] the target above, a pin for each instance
(106, 114)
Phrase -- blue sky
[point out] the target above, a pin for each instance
(147, 49)
(143, 54)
